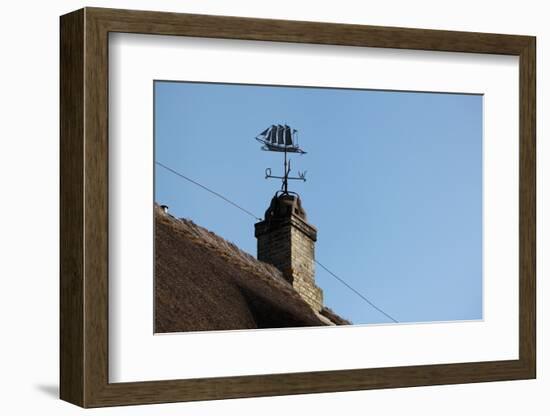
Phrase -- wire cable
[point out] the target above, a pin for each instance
(209, 190)
(257, 218)
(387, 315)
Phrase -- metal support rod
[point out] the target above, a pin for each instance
(285, 181)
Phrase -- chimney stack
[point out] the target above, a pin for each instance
(287, 241)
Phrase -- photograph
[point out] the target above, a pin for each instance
(276, 204)
(288, 206)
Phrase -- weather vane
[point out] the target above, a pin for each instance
(279, 138)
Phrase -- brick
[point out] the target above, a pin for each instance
(287, 241)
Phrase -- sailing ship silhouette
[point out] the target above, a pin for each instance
(278, 138)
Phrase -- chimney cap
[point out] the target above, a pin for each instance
(285, 205)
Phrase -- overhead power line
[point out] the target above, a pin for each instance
(209, 190)
(387, 315)
(364, 298)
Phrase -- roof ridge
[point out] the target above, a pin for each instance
(233, 254)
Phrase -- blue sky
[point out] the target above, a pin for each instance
(394, 186)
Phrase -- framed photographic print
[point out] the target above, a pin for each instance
(255, 207)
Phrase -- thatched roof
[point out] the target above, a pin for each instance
(203, 282)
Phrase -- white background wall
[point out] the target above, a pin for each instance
(29, 159)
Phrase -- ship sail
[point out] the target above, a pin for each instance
(263, 133)
(288, 136)
(280, 132)
(273, 135)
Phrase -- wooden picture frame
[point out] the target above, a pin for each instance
(84, 207)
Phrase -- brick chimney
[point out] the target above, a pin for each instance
(287, 241)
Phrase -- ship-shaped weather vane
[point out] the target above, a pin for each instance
(278, 138)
